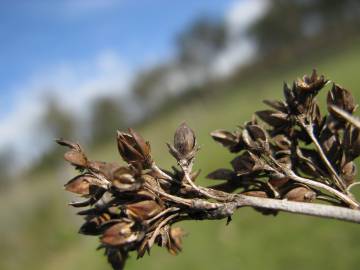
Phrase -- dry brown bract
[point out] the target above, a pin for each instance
(297, 161)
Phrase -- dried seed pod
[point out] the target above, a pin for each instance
(255, 138)
(300, 194)
(277, 105)
(92, 225)
(121, 234)
(309, 163)
(231, 140)
(348, 173)
(71, 145)
(256, 193)
(247, 163)
(314, 116)
(116, 257)
(300, 98)
(226, 138)
(341, 98)
(257, 133)
(351, 143)
(145, 194)
(184, 147)
(75, 155)
(330, 144)
(273, 118)
(290, 99)
(310, 84)
(164, 236)
(184, 139)
(284, 159)
(82, 184)
(143, 247)
(143, 210)
(278, 181)
(174, 245)
(248, 141)
(76, 158)
(83, 203)
(124, 179)
(282, 142)
(107, 169)
(134, 149)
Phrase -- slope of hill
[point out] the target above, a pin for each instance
(39, 231)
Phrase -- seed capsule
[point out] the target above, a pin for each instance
(184, 139)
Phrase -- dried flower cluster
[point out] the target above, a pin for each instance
(296, 161)
(297, 141)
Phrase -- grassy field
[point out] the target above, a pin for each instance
(38, 230)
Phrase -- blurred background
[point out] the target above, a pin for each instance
(81, 69)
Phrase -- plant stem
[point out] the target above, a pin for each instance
(169, 197)
(200, 190)
(224, 210)
(344, 197)
(333, 173)
(157, 230)
(167, 210)
(162, 174)
(312, 209)
(347, 116)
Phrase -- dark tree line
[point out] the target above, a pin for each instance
(289, 24)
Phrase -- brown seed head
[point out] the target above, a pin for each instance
(134, 149)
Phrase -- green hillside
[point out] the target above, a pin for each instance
(42, 231)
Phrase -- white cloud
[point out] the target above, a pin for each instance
(245, 12)
(74, 85)
(235, 55)
(240, 49)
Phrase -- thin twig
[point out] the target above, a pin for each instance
(347, 117)
(176, 199)
(167, 210)
(352, 185)
(309, 130)
(199, 189)
(157, 230)
(345, 198)
(160, 172)
(328, 199)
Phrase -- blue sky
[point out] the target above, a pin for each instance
(38, 35)
(79, 50)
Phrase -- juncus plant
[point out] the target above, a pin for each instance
(290, 158)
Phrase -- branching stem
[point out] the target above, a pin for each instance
(227, 202)
(157, 230)
(345, 198)
(223, 210)
(199, 189)
(342, 196)
(309, 130)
